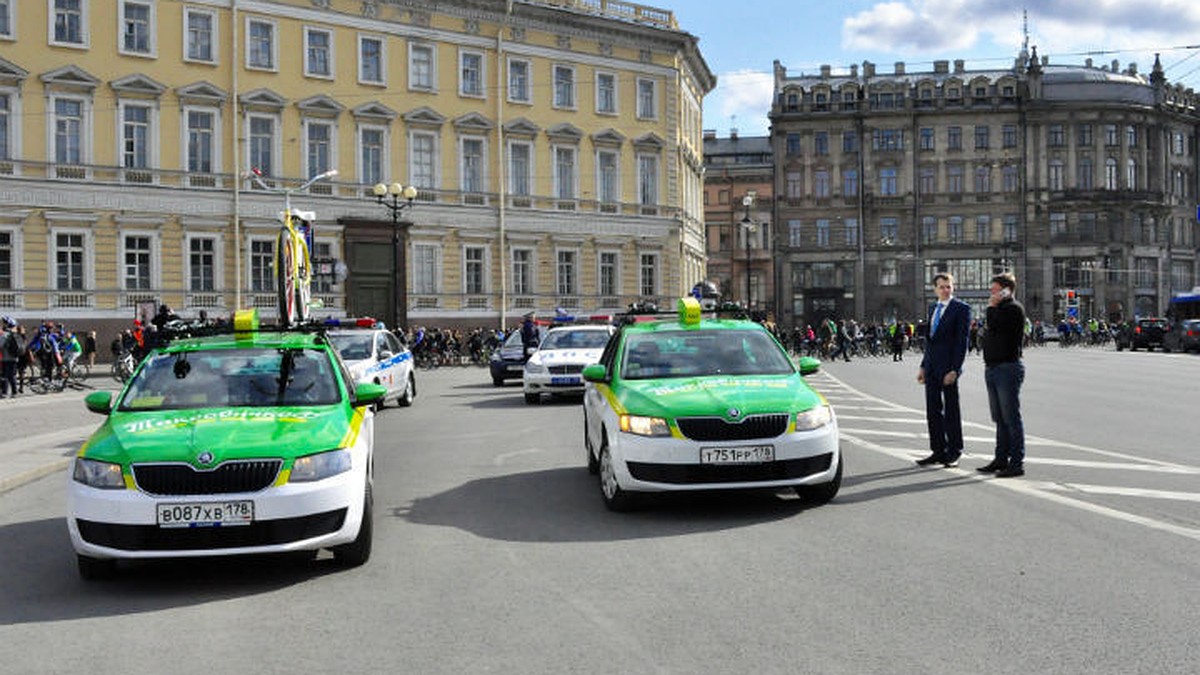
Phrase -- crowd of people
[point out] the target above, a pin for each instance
(49, 352)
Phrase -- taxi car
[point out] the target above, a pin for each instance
(698, 403)
(374, 354)
(556, 367)
(240, 443)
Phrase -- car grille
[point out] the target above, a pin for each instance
(249, 475)
(695, 474)
(258, 533)
(573, 369)
(717, 429)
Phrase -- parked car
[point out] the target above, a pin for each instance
(1184, 336)
(508, 362)
(376, 355)
(1143, 333)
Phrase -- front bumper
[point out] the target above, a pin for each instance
(507, 370)
(552, 383)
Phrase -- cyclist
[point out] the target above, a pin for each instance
(71, 350)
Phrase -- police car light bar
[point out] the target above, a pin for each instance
(360, 322)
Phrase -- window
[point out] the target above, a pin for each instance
(795, 233)
(135, 136)
(1087, 227)
(69, 18)
(522, 271)
(1056, 136)
(137, 263)
(7, 255)
(1058, 225)
(1110, 174)
(608, 176)
(954, 138)
(606, 93)
(137, 27)
(371, 144)
(6, 18)
(928, 229)
(954, 179)
(1054, 175)
(849, 182)
(609, 274)
(201, 35)
(520, 168)
(262, 144)
(318, 140)
(647, 99)
(425, 269)
(795, 185)
(370, 60)
(6, 119)
(1131, 174)
(566, 273)
(982, 137)
(564, 172)
(983, 229)
(648, 180)
(564, 87)
(821, 143)
(202, 261)
(422, 151)
(421, 66)
(471, 75)
(472, 163)
(889, 274)
(1085, 181)
(887, 181)
(518, 81)
(1111, 136)
(926, 138)
(68, 131)
(260, 47)
(927, 180)
(852, 231)
(821, 186)
(823, 233)
(648, 275)
(322, 250)
(1177, 142)
(983, 179)
(318, 52)
(1131, 136)
(887, 140)
(793, 145)
(849, 141)
(1008, 135)
(1083, 135)
(954, 229)
(68, 261)
(262, 265)
(473, 270)
(1010, 228)
(889, 230)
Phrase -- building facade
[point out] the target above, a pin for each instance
(1075, 178)
(738, 197)
(555, 145)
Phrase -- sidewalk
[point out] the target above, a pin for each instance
(42, 440)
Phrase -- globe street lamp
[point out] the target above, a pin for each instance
(750, 228)
(391, 196)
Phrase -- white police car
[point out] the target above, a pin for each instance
(374, 355)
(556, 367)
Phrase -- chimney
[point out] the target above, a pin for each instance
(899, 67)
(1087, 63)
(868, 69)
(853, 70)
(733, 134)
(959, 66)
(825, 71)
(1133, 69)
(1116, 66)
(710, 134)
(941, 67)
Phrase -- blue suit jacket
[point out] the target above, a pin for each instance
(946, 348)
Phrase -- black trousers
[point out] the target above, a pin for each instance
(943, 416)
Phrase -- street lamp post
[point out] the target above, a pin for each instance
(391, 196)
(748, 225)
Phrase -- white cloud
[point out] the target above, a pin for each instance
(742, 100)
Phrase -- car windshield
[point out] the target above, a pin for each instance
(352, 346)
(226, 378)
(575, 339)
(694, 353)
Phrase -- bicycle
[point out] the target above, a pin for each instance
(123, 366)
(293, 252)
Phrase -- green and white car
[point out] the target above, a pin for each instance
(248, 442)
(696, 403)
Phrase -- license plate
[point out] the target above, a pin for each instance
(206, 514)
(516, 367)
(751, 454)
(564, 381)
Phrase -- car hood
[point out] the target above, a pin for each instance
(562, 357)
(227, 433)
(717, 396)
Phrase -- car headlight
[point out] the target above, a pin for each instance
(814, 418)
(532, 366)
(644, 426)
(319, 466)
(97, 474)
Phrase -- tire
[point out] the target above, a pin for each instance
(95, 569)
(410, 392)
(615, 498)
(38, 385)
(358, 552)
(497, 381)
(593, 464)
(533, 399)
(822, 493)
(285, 283)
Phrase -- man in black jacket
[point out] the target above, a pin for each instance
(1004, 373)
(945, 349)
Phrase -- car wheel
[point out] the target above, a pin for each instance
(822, 493)
(533, 398)
(615, 498)
(497, 381)
(96, 569)
(358, 551)
(410, 392)
(593, 464)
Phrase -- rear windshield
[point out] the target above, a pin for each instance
(692, 353)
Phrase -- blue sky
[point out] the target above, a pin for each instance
(741, 40)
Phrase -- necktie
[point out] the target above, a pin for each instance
(937, 316)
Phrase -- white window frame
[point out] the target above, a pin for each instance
(431, 48)
(482, 178)
(645, 199)
(572, 92)
(573, 281)
(614, 198)
(330, 53)
(574, 187)
(273, 66)
(151, 29)
(615, 291)
(214, 25)
(185, 132)
(484, 271)
(362, 39)
(481, 75)
(531, 158)
(384, 157)
(307, 123)
(641, 112)
(530, 267)
(436, 281)
(655, 283)
(218, 255)
(85, 35)
(16, 266)
(435, 160)
(12, 126)
(276, 142)
(85, 130)
(249, 256)
(152, 140)
(616, 96)
(8, 8)
(527, 92)
(155, 254)
(88, 261)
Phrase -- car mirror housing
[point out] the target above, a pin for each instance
(385, 355)
(595, 373)
(368, 393)
(99, 402)
(808, 365)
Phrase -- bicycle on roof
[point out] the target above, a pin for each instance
(293, 247)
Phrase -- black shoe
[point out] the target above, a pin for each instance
(935, 458)
(1011, 471)
(951, 461)
(992, 467)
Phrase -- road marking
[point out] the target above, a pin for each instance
(1122, 491)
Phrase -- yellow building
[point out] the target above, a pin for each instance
(556, 148)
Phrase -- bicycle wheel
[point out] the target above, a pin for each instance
(285, 276)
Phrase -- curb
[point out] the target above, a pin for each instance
(26, 477)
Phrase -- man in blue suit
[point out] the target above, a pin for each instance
(945, 348)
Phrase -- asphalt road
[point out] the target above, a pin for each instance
(494, 553)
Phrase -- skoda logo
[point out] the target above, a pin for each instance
(205, 458)
(734, 413)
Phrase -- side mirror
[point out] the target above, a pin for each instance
(595, 373)
(808, 365)
(385, 355)
(99, 402)
(368, 393)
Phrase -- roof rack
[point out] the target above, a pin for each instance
(647, 311)
(245, 322)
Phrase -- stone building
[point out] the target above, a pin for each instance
(1076, 178)
(740, 241)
